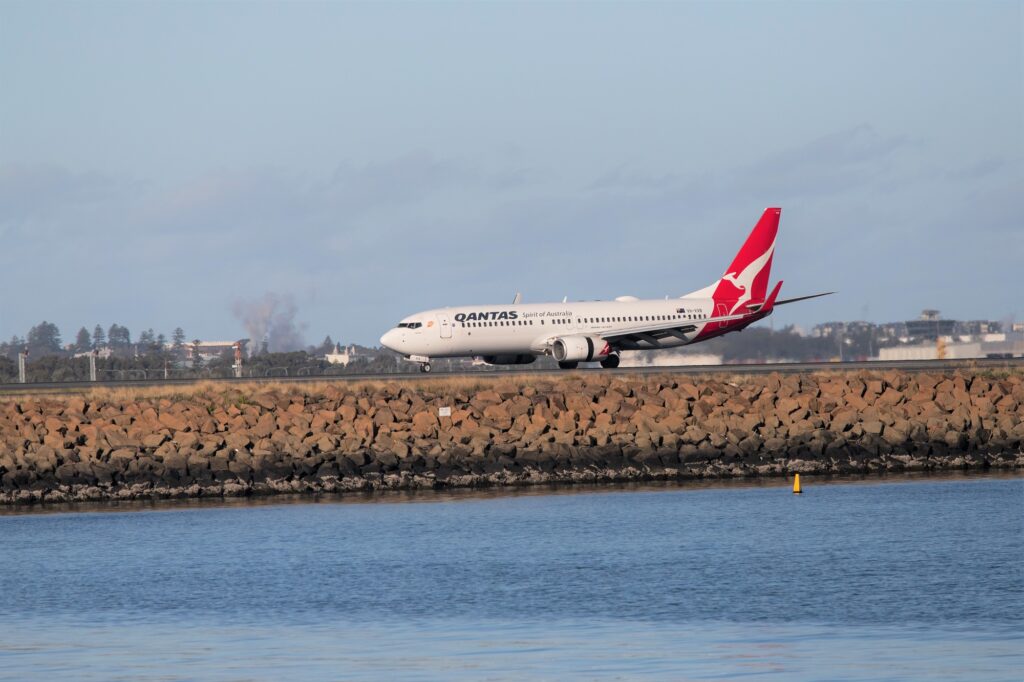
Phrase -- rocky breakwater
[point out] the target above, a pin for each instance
(437, 432)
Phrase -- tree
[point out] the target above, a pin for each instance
(13, 347)
(99, 338)
(83, 342)
(326, 347)
(178, 338)
(119, 336)
(147, 339)
(197, 359)
(161, 341)
(44, 339)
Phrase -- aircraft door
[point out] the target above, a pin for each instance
(446, 325)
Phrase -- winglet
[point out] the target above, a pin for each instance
(770, 302)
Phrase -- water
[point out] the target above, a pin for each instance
(879, 581)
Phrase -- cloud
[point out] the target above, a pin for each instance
(34, 193)
(366, 243)
(978, 170)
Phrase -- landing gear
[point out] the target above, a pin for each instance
(611, 362)
(425, 367)
(568, 365)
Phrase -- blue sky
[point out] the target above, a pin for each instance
(167, 164)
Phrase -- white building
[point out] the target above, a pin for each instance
(340, 358)
(990, 345)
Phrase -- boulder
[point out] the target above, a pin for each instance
(424, 424)
(174, 422)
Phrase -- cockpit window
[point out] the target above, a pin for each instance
(410, 325)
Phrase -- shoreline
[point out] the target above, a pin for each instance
(468, 494)
(965, 464)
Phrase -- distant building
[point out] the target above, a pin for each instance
(102, 353)
(827, 329)
(930, 351)
(210, 350)
(1010, 346)
(978, 327)
(341, 358)
(930, 326)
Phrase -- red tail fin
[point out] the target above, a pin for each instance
(747, 278)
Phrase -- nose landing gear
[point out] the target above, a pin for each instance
(422, 359)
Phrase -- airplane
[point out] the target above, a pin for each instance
(599, 331)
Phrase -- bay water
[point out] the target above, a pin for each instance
(860, 580)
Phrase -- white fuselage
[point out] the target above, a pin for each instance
(527, 329)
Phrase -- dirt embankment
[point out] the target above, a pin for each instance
(218, 440)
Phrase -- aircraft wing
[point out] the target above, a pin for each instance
(645, 337)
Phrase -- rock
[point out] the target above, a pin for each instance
(424, 424)
(174, 422)
(154, 440)
(787, 406)
(597, 428)
(497, 416)
(874, 427)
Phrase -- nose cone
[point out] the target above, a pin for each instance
(390, 339)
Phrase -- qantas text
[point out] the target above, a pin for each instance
(492, 315)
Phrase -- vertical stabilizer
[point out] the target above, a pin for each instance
(746, 279)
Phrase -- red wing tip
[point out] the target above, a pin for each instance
(776, 209)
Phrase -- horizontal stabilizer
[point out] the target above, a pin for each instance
(803, 298)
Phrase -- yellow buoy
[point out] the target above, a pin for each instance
(796, 484)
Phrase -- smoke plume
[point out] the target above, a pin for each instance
(270, 318)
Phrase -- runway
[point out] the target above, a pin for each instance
(687, 370)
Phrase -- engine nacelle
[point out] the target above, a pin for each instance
(509, 359)
(580, 348)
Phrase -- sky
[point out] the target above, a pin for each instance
(338, 166)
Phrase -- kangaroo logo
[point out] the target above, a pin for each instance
(744, 280)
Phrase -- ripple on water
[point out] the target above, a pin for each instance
(893, 581)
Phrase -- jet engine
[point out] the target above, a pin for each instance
(580, 348)
(509, 359)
